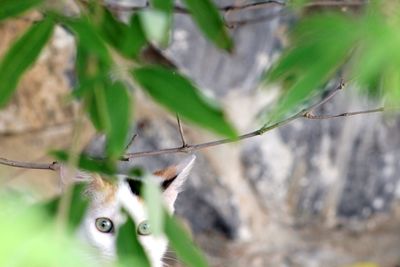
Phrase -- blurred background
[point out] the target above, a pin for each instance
(312, 193)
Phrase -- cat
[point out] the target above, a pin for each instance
(103, 216)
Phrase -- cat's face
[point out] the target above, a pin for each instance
(103, 217)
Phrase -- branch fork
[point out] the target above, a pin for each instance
(188, 148)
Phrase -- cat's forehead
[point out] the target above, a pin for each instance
(101, 190)
(105, 191)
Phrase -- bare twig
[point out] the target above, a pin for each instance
(257, 5)
(131, 141)
(235, 7)
(346, 114)
(328, 97)
(305, 114)
(181, 131)
(183, 10)
(30, 165)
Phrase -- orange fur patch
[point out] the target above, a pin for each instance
(103, 187)
(167, 173)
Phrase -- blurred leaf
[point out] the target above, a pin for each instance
(182, 245)
(88, 38)
(119, 110)
(137, 172)
(78, 206)
(210, 22)
(130, 252)
(155, 25)
(153, 198)
(321, 44)
(50, 206)
(11, 8)
(298, 3)
(92, 75)
(108, 103)
(109, 106)
(29, 239)
(87, 163)
(179, 95)
(126, 39)
(22, 55)
(166, 7)
(377, 59)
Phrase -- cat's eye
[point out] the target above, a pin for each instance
(104, 225)
(144, 228)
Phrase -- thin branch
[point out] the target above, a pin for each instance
(183, 10)
(238, 23)
(346, 114)
(131, 141)
(257, 5)
(184, 144)
(306, 114)
(30, 165)
(328, 97)
(261, 131)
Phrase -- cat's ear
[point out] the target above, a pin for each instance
(173, 178)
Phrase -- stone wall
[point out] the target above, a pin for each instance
(312, 193)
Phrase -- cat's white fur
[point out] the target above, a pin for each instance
(107, 201)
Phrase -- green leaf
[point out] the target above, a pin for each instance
(11, 8)
(153, 198)
(377, 57)
(320, 45)
(182, 245)
(109, 106)
(78, 206)
(298, 3)
(126, 39)
(130, 252)
(93, 73)
(87, 163)
(210, 22)
(156, 26)
(108, 103)
(179, 95)
(22, 55)
(88, 38)
(49, 206)
(166, 7)
(119, 108)
(29, 239)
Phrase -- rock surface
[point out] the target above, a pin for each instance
(312, 193)
(40, 98)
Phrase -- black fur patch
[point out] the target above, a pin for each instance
(135, 186)
(166, 183)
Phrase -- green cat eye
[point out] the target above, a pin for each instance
(144, 228)
(104, 225)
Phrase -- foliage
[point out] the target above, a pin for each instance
(170, 86)
(129, 250)
(21, 56)
(364, 46)
(30, 237)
